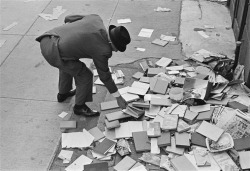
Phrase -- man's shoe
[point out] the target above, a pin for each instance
(86, 111)
(63, 97)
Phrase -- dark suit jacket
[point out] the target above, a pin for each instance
(85, 37)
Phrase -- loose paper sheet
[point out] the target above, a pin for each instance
(65, 155)
(124, 21)
(167, 38)
(203, 34)
(154, 146)
(2, 41)
(78, 164)
(145, 32)
(141, 49)
(63, 114)
(10, 26)
(77, 139)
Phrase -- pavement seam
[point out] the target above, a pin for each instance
(16, 98)
(24, 35)
(114, 11)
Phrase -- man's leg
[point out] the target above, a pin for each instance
(65, 86)
(84, 84)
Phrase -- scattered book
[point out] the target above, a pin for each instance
(190, 116)
(154, 71)
(160, 101)
(242, 144)
(141, 105)
(144, 79)
(141, 141)
(237, 105)
(153, 129)
(182, 126)
(104, 146)
(112, 124)
(144, 65)
(133, 111)
(182, 139)
(116, 116)
(198, 139)
(206, 115)
(138, 75)
(164, 62)
(164, 140)
(182, 164)
(160, 42)
(109, 105)
(160, 86)
(170, 122)
(174, 149)
(103, 166)
(96, 133)
(125, 164)
(201, 157)
(244, 159)
(210, 131)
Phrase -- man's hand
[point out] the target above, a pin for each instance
(121, 102)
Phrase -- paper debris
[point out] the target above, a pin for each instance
(141, 49)
(77, 139)
(2, 41)
(160, 42)
(65, 155)
(63, 114)
(160, 9)
(145, 32)
(124, 21)
(209, 27)
(10, 26)
(203, 34)
(55, 15)
(78, 164)
(168, 38)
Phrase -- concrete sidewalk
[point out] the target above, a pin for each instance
(29, 123)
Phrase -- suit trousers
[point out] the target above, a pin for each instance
(68, 69)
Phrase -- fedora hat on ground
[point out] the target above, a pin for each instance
(119, 37)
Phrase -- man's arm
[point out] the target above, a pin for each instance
(73, 18)
(101, 64)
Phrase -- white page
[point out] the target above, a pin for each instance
(167, 38)
(77, 139)
(65, 155)
(78, 164)
(146, 32)
(10, 26)
(175, 68)
(203, 34)
(63, 114)
(141, 49)
(124, 21)
(2, 41)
